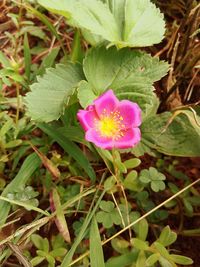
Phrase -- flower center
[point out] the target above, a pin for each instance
(110, 125)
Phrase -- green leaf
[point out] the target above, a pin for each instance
(181, 259)
(143, 229)
(109, 183)
(162, 250)
(50, 260)
(4, 60)
(107, 205)
(167, 237)
(96, 251)
(179, 138)
(144, 24)
(50, 95)
(91, 15)
(108, 215)
(132, 182)
(40, 243)
(37, 260)
(71, 148)
(141, 259)
(86, 94)
(120, 245)
(139, 244)
(132, 163)
(58, 252)
(129, 73)
(153, 177)
(123, 260)
(165, 263)
(151, 260)
(13, 143)
(122, 23)
(30, 164)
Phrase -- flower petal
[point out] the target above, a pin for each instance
(130, 112)
(87, 117)
(106, 103)
(103, 142)
(131, 137)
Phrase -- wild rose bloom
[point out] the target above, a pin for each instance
(110, 123)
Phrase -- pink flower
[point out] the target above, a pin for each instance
(110, 123)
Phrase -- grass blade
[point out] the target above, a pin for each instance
(60, 217)
(24, 205)
(77, 52)
(27, 57)
(71, 148)
(96, 251)
(68, 258)
(46, 21)
(31, 163)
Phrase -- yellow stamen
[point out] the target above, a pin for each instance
(110, 125)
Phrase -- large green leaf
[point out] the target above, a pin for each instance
(144, 24)
(175, 137)
(121, 22)
(51, 93)
(92, 15)
(129, 73)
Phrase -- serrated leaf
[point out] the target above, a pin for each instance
(129, 73)
(51, 93)
(144, 24)
(179, 138)
(122, 23)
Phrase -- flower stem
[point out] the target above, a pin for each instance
(117, 177)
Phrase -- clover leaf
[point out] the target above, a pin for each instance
(154, 178)
(108, 215)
